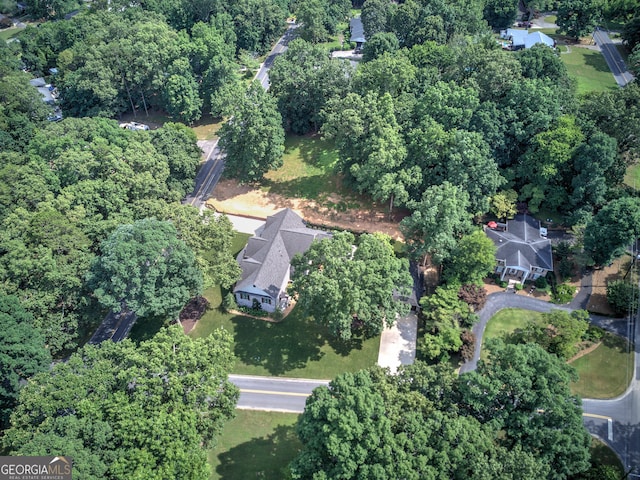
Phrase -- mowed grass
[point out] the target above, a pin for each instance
(590, 70)
(308, 169)
(605, 372)
(296, 347)
(255, 445)
(632, 176)
(504, 323)
(8, 33)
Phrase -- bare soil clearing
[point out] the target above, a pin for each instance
(249, 200)
(598, 300)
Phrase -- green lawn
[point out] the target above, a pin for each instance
(8, 33)
(605, 372)
(632, 176)
(590, 70)
(255, 445)
(295, 347)
(308, 170)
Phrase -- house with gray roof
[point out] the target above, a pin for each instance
(266, 260)
(523, 250)
(357, 32)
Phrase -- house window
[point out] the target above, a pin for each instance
(244, 296)
(266, 300)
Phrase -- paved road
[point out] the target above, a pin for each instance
(114, 327)
(208, 175)
(280, 47)
(613, 58)
(498, 301)
(274, 394)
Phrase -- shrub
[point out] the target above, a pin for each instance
(541, 282)
(519, 286)
(593, 334)
(563, 250)
(474, 295)
(468, 344)
(622, 295)
(563, 293)
(502, 284)
(565, 269)
(229, 302)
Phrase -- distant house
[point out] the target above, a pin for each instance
(266, 260)
(357, 32)
(523, 251)
(523, 39)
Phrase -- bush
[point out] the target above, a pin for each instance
(563, 250)
(468, 344)
(563, 293)
(593, 334)
(229, 302)
(502, 283)
(565, 269)
(519, 286)
(256, 312)
(622, 296)
(474, 295)
(541, 282)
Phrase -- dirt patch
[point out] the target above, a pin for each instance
(599, 279)
(231, 197)
(192, 312)
(584, 352)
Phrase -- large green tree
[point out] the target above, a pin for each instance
(130, 411)
(438, 221)
(304, 79)
(612, 230)
(472, 260)
(578, 18)
(145, 268)
(22, 353)
(352, 290)
(523, 392)
(253, 137)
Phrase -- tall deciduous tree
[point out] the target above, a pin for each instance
(578, 18)
(145, 268)
(304, 79)
(612, 230)
(375, 16)
(438, 221)
(22, 353)
(473, 259)
(253, 137)
(147, 411)
(500, 14)
(351, 291)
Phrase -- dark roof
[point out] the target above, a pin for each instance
(357, 30)
(521, 245)
(266, 258)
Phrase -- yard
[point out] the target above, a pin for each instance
(589, 68)
(308, 183)
(604, 373)
(255, 445)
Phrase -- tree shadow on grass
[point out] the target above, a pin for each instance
(277, 347)
(596, 61)
(265, 457)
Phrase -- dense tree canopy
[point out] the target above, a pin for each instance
(352, 290)
(130, 411)
(427, 423)
(253, 137)
(578, 18)
(145, 268)
(22, 353)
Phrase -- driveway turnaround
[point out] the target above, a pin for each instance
(398, 343)
(274, 394)
(615, 421)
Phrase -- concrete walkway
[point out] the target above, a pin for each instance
(398, 343)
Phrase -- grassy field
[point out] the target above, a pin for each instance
(8, 33)
(590, 70)
(605, 372)
(255, 445)
(632, 176)
(308, 170)
(207, 127)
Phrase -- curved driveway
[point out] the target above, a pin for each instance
(616, 421)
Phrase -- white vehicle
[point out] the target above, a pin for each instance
(134, 126)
